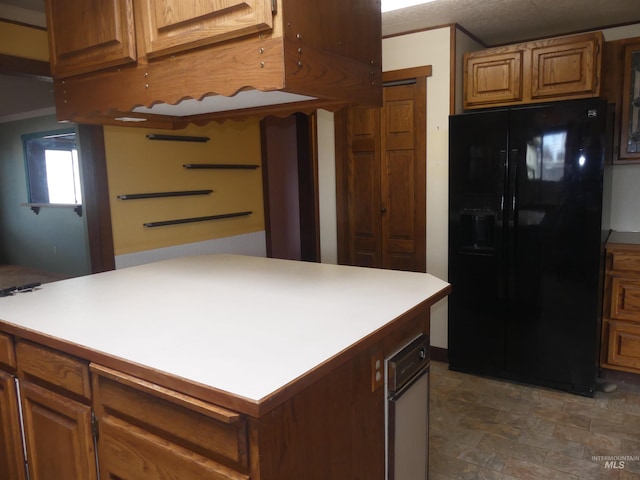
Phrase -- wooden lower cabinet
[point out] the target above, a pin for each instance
(333, 429)
(56, 413)
(58, 435)
(624, 345)
(12, 465)
(329, 426)
(151, 432)
(621, 314)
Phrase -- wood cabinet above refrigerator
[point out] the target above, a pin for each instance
(533, 72)
(174, 62)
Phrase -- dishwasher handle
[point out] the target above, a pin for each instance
(407, 363)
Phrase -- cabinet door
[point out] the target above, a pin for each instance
(493, 79)
(85, 35)
(11, 457)
(170, 26)
(625, 299)
(58, 435)
(566, 69)
(624, 345)
(382, 189)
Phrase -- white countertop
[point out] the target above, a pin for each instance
(245, 325)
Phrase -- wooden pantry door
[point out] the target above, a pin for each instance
(381, 177)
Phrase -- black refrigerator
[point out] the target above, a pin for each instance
(526, 242)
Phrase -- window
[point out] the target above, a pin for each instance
(53, 175)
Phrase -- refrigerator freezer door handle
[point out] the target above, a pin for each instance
(514, 185)
(513, 221)
(503, 159)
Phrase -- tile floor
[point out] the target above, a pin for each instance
(488, 429)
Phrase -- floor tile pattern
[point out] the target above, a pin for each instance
(488, 429)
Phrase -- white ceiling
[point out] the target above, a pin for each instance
(494, 22)
(498, 22)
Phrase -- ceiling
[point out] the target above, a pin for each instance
(493, 22)
(498, 22)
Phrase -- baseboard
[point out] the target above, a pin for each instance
(616, 376)
(439, 354)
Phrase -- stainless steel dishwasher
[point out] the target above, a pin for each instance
(407, 412)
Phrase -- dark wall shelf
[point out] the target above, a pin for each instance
(220, 166)
(195, 219)
(184, 193)
(177, 138)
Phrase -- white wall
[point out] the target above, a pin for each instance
(327, 188)
(430, 47)
(464, 44)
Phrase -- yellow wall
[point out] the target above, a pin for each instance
(138, 165)
(25, 42)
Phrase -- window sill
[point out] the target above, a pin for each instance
(35, 207)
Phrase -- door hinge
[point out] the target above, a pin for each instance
(94, 425)
(274, 7)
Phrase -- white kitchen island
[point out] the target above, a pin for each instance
(220, 366)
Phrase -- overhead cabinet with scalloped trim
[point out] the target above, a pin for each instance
(539, 71)
(146, 57)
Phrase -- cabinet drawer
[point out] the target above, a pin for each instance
(625, 261)
(7, 354)
(54, 368)
(624, 344)
(129, 452)
(198, 426)
(625, 299)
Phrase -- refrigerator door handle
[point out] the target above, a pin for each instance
(514, 186)
(513, 221)
(503, 160)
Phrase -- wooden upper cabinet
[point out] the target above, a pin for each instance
(566, 67)
(170, 26)
(494, 78)
(296, 55)
(551, 69)
(85, 35)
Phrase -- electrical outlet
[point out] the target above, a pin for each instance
(377, 371)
